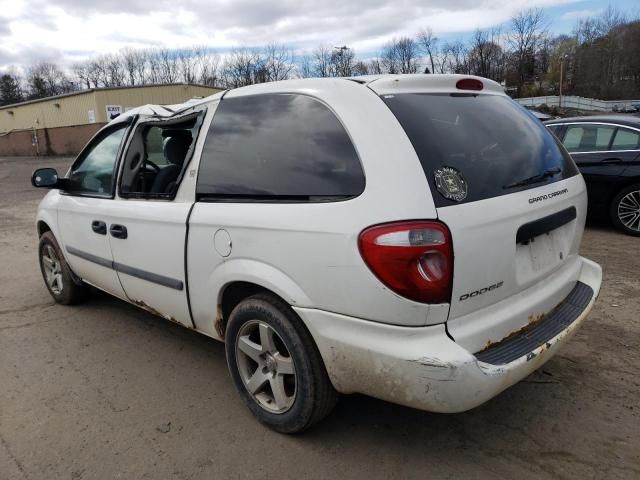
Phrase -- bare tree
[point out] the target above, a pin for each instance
(306, 68)
(485, 57)
(130, 60)
(429, 44)
(241, 67)
(610, 19)
(528, 28)
(401, 55)
(606, 56)
(389, 58)
(375, 66)
(342, 60)
(322, 61)
(360, 67)
(169, 65)
(278, 62)
(46, 79)
(81, 71)
(141, 61)
(456, 57)
(586, 31)
(153, 67)
(543, 59)
(98, 72)
(443, 59)
(115, 70)
(208, 65)
(187, 64)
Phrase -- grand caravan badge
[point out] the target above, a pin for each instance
(450, 183)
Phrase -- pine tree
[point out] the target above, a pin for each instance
(10, 91)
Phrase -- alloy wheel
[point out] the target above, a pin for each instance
(629, 210)
(52, 269)
(266, 367)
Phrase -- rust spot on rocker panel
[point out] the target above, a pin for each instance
(144, 305)
(218, 323)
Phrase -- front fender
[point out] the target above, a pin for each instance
(48, 213)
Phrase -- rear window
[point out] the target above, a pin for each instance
(626, 139)
(278, 147)
(474, 147)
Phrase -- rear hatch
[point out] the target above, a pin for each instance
(509, 193)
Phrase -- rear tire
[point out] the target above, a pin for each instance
(276, 366)
(625, 210)
(62, 284)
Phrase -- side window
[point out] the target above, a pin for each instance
(626, 140)
(588, 138)
(156, 157)
(278, 146)
(94, 172)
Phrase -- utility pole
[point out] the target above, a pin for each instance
(562, 59)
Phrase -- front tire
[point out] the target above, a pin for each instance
(625, 210)
(57, 275)
(276, 366)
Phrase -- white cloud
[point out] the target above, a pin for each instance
(575, 14)
(68, 30)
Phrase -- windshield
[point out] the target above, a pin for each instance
(474, 147)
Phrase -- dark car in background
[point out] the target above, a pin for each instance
(607, 152)
(541, 116)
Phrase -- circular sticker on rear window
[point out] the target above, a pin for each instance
(450, 183)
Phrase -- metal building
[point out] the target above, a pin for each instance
(63, 124)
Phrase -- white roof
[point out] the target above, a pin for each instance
(380, 84)
(425, 83)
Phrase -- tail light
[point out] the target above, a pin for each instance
(414, 259)
(469, 84)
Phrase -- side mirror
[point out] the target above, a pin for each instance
(45, 178)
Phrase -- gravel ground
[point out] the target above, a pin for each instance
(106, 390)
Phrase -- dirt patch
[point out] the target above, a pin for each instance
(107, 390)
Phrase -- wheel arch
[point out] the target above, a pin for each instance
(235, 291)
(627, 181)
(46, 221)
(231, 295)
(42, 227)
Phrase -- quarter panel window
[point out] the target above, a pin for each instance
(278, 146)
(94, 172)
(588, 138)
(626, 140)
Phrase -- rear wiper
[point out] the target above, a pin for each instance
(550, 172)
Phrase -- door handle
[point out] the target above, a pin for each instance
(99, 227)
(118, 231)
(611, 160)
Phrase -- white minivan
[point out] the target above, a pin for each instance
(410, 237)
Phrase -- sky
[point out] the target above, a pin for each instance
(66, 31)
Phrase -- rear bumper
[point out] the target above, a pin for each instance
(422, 367)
